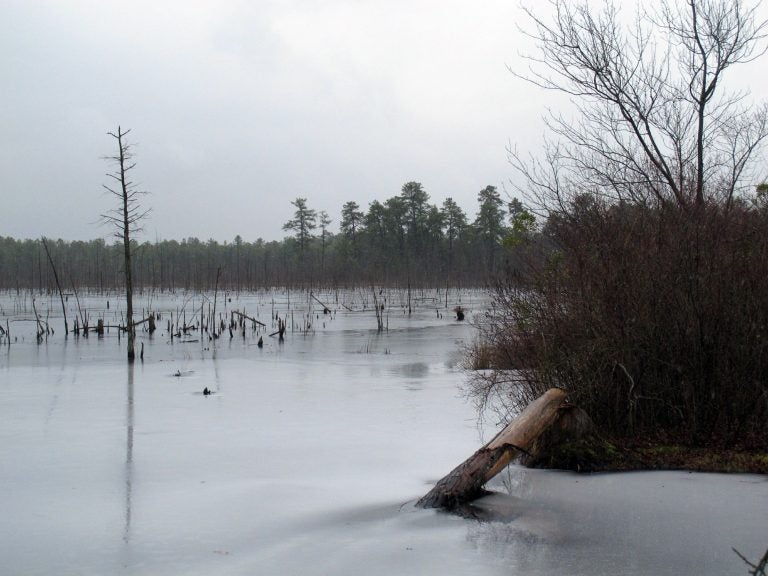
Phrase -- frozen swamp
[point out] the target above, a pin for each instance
(308, 457)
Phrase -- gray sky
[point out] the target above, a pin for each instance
(237, 107)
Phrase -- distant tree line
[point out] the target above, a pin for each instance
(404, 239)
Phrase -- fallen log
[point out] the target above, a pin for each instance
(326, 309)
(248, 318)
(103, 326)
(465, 482)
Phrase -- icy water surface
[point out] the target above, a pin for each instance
(307, 460)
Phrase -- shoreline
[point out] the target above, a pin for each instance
(633, 455)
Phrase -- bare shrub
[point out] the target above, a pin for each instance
(653, 318)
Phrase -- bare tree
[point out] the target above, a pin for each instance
(652, 122)
(125, 218)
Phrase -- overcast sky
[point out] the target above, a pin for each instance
(239, 107)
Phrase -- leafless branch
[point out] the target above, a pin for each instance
(651, 118)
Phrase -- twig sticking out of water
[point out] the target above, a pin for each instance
(40, 329)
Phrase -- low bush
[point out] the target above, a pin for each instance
(654, 318)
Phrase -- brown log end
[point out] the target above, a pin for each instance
(465, 482)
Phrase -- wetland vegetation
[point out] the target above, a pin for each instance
(637, 281)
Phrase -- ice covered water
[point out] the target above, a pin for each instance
(307, 459)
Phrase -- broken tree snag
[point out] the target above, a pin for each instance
(280, 329)
(465, 482)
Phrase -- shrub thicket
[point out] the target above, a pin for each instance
(654, 318)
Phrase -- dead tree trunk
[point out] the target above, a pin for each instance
(215, 295)
(409, 296)
(465, 482)
(379, 311)
(58, 286)
(126, 219)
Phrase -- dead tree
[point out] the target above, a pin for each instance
(379, 309)
(465, 482)
(58, 286)
(215, 295)
(126, 219)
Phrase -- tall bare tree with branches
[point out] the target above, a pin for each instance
(652, 122)
(125, 218)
